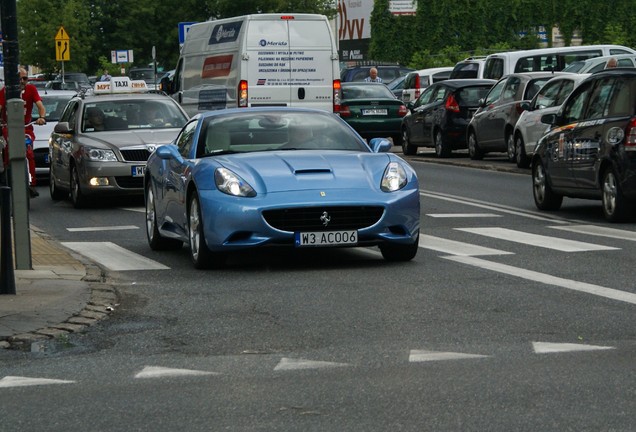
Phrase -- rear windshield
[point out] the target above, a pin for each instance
(465, 70)
(469, 96)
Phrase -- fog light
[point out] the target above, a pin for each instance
(99, 181)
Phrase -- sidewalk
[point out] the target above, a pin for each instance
(64, 293)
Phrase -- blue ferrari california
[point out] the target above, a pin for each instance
(245, 178)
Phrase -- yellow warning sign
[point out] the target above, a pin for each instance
(62, 45)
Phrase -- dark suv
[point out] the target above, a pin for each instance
(387, 73)
(590, 150)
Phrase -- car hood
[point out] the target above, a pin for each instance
(130, 138)
(42, 134)
(282, 171)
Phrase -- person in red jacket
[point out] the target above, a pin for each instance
(30, 96)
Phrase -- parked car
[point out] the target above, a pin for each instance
(491, 128)
(396, 86)
(599, 63)
(238, 179)
(387, 72)
(472, 67)
(590, 150)
(54, 102)
(63, 85)
(372, 110)
(147, 74)
(102, 142)
(440, 116)
(529, 128)
(415, 82)
(78, 77)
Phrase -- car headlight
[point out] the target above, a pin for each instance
(394, 178)
(232, 184)
(99, 155)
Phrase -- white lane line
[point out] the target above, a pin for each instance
(162, 372)
(424, 356)
(462, 215)
(597, 290)
(550, 347)
(600, 231)
(295, 364)
(104, 228)
(492, 206)
(114, 257)
(16, 381)
(134, 209)
(548, 242)
(456, 248)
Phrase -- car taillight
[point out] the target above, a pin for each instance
(519, 107)
(345, 111)
(242, 94)
(402, 110)
(451, 104)
(630, 135)
(417, 86)
(337, 98)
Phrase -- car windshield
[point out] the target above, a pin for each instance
(117, 115)
(54, 105)
(366, 91)
(574, 67)
(276, 130)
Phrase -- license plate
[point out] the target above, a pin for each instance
(326, 238)
(374, 112)
(138, 171)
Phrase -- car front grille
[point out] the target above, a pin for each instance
(130, 182)
(135, 155)
(313, 218)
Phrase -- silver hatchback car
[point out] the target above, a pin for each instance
(102, 142)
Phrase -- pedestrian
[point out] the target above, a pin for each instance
(611, 63)
(105, 76)
(30, 96)
(373, 76)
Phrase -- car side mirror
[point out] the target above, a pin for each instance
(525, 105)
(548, 119)
(482, 102)
(380, 145)
(63, 128)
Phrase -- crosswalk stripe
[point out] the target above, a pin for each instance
(114, 257)
(548, 242)
(104, 228)
(600, 231)
(597, 290)
(453, 247)
(462, 215)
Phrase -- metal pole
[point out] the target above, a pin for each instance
(7, 276)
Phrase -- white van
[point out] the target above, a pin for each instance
(258, 60)
(545, 59)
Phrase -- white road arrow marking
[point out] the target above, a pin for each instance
(292, 364)
(161, 372)
(549, 347)
(423, 356)
(16, 381)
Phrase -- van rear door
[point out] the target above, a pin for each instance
(290, 62)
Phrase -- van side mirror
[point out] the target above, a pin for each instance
(525, 105)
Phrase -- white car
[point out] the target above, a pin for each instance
(416, 82)
(598, 63)
(529, 129)
(54, 101)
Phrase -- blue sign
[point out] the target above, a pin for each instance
(183, 30)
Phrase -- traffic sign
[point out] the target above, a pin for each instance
(62, 45)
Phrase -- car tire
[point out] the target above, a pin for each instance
(400, 252)
(442, 149)
(155, 239)
(616, 206)
(407, 148)
(54, 191)
(520, 153)
(77, 197)
(474, 151)
(544, 197)
(510, 148)
(201, 256)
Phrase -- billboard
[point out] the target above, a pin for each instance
(354, 29)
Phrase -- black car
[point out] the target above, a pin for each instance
(439, 117)
(590, 149)
(491, 128)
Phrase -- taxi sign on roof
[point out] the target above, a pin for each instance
(120, 85)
